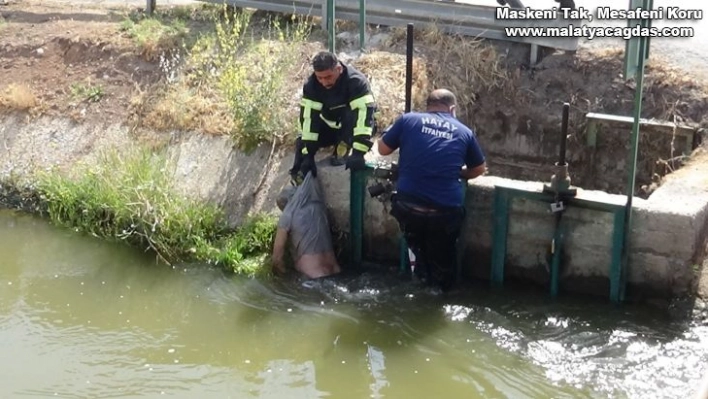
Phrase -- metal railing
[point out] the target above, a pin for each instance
(450, 17)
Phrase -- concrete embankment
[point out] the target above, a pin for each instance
(667, 237)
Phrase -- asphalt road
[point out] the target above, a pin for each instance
(691, 54)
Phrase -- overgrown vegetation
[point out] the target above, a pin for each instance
(154, 33)
(232, 78)
(129, 197)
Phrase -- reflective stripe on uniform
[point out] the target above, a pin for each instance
(332, 124)
(361, 103)
(309, 106)
(360, 147)
(317, 106)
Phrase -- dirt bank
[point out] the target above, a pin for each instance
(87, 64)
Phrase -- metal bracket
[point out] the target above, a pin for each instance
(557, 207)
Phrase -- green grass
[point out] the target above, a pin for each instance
(86, 92)
(156, 33)
(129, 197)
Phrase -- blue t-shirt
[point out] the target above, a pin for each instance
(433, 148)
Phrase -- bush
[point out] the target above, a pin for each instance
(130, 198)
(249, 65)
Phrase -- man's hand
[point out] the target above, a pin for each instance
(356, 161)
(308, 165)
(278, 267)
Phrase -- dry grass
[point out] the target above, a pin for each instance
(18, 97)
(467, 66)
(180, 107)
(387, 74)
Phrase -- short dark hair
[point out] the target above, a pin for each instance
(441, 97)
(324, 61)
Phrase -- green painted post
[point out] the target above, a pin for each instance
(631, 180)
(357, 180)
(499, 235)
(461, 241)
(404, 262)
(330, 25)
(555, 263)
(362, 24)
(618, 236)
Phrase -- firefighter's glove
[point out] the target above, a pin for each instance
(308, 165)
(356, 161)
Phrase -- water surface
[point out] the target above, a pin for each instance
(82, 318)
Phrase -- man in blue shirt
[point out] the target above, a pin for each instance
(437, 153)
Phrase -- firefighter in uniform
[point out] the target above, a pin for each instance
(337, 106)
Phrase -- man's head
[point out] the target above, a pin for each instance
(285, 196)
(441, 100)
(327, 68)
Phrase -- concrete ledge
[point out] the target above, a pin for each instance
(667, 235)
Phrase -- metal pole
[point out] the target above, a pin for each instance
(357, 181)
(409, 67)
(362, 24)
(564, 134)
(631, 180)
(150, 7)
(330, 25)
(409, 84)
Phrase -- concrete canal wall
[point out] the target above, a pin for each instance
(667, 237)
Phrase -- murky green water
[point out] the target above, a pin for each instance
(80, 318)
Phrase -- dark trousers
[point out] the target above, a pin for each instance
(431, 232)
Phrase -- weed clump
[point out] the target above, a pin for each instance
(156, 33)
(18, 97)
(129, 197)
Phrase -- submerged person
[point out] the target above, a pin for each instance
(304, 225)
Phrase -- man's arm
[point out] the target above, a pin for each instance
(475, 163)
(281, 239)
(363, 106)
(390, 139)
(471, 173)
(310, 110)
(383, 148)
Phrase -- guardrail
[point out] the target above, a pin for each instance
(450, 17)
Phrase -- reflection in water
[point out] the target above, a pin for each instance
(83, 318)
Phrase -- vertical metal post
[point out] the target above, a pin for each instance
(409, 67)
(362, 24)
(618, 236)
(408, 103)
(357, 181)
(555, 262)
(631, 180)
(404, 260)
(330, 25)
(564, 134)
(150, 6)
(499, 235)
